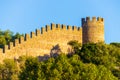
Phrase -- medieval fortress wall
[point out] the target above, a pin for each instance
(42, 41)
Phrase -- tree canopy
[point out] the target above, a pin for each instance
(7, 36)
(64, 68)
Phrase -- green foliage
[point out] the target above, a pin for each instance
(115, 44)
(75, 45)
(102, 54)
(9, 70)
(7, 36)
(30, 70)
(64, 68)
(2, 41)
(16, 36)
(22, 60)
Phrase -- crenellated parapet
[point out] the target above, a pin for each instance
(21, 39)
(94, 19)
(5, 48)
(64, 27)
(27, 37)
(38, 32)
(48, 28)
(75, 28)
(10, 45)
(58, 26)
(32, 34)
(53, 27)
(69, 27)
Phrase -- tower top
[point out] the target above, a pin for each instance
(94, 19)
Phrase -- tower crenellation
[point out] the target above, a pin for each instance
(94, 19)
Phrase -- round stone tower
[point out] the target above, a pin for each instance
(92, 30)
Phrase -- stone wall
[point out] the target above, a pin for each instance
(42, 41)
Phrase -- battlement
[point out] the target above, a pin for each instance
(93, 19)
(37, 32)
(69, 27)
(53, 27)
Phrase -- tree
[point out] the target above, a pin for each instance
(9, 70)
(29, 72)
(115, 44)
(7, 36)
(16, 36)
(2, 41)
(98, 54)
(76, 46)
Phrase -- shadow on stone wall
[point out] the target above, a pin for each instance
(43, 58)
(54, 52)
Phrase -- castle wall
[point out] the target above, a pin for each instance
(42, 41)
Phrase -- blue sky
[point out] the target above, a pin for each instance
(24, 16)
